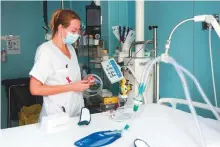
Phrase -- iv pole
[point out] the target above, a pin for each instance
(156, 66)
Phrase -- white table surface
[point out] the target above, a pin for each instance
(160, 126)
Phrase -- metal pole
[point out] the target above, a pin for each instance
(156, 66)
(139, 29)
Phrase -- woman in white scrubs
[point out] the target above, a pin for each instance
(56, 73)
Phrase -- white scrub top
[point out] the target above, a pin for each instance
(52, 67)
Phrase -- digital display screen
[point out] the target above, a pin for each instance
(93, 17)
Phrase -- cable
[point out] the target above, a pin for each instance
(134, 55)
(171, 34)
(211, 62)
(138, 43)
(167, 46)
(137, 53)
(137, 144)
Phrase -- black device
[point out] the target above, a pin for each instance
(205, 25)
(93, 20)
(93, 24)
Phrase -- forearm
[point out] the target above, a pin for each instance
(43, 90)
(38, 88)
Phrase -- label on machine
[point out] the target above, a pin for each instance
(112, 71)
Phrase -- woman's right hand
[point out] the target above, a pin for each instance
(80, 86)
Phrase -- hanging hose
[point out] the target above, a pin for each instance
(179, 69)
(205, 98)
(138, 100)
(186, 91)
(157, 59)
(145, 68)
(211, 62)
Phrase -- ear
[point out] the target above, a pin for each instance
(60, 28)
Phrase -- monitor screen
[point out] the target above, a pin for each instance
(93, 17)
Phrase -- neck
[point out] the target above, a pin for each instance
(59, 42)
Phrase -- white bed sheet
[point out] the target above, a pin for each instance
(158, 125)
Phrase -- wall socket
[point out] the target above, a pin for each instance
(205, 26)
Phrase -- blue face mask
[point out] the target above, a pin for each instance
(70, 38)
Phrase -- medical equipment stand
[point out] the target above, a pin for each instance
(137, 65)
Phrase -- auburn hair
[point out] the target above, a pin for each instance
(62, 17)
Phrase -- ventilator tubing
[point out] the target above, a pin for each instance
(179, 69)
(192, 109)
(145, 68)
(205, 98)
(145, 75)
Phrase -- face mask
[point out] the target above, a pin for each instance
(70, 38)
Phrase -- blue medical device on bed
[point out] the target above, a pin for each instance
(99, 139)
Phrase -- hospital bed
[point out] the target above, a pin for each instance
(175, 101)
(158, 125)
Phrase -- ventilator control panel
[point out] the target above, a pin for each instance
(112, 71)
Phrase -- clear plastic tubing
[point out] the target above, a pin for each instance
(144, 70)
(192, 109)
(179, 69)
(147, 73)
(205, 98)
(186, 91)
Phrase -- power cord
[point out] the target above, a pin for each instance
(212, 70)
(138, 52)
(135, 55)
(139, 142)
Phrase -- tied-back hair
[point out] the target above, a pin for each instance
(62, 17)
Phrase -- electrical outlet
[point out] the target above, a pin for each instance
(205, 26)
